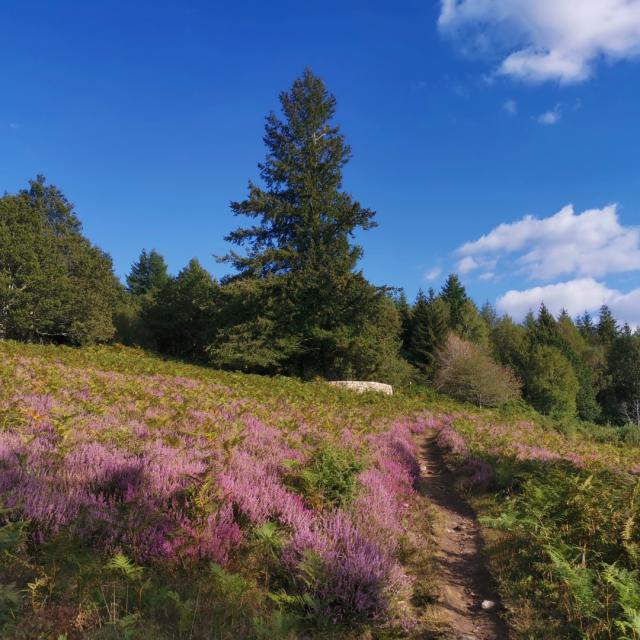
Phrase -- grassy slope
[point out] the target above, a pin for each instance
(560, 507)
(110, 450)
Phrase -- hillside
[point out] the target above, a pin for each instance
(146, 498)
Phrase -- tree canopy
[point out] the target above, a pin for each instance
(54, 284)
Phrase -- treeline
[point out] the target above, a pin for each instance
(296, 304)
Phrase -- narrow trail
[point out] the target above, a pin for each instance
(464, 578)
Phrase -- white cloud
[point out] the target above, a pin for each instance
(510, 107)
(589, 244)
(540, 40)
(576, 296)
(550, 117)
(467, 264)
(432, 274)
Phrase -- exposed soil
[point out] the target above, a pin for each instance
(464, 579)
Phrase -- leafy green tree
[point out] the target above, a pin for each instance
(563, 335)
(552, 384)
(299, 253)
(509, 345)
(54, 284)
(148, 273)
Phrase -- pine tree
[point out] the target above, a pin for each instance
(607, 328)
(406, 318)
(455, 295)
(586, 326)
(546, 328)
(148, 273)
(428, 332)
(182, 315)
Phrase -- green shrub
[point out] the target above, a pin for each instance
(467, 372)
(331, 476)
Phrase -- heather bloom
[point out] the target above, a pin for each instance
(449, 438)
(349, 574)
(259, 495)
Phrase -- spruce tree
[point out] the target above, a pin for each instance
(406, 319)
(428, 332)
(455, 295)
(586, 326)
(181, 316)
(304, 219)
(607, 328)
(299, 254)
(148, 273)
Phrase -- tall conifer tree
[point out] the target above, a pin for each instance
(300, 250)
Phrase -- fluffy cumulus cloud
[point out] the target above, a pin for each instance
(588, 244)
(576, 296)
(540, 40)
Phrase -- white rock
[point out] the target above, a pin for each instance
(361, 386)
(487, 605)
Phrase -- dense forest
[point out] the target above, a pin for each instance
(296, 302)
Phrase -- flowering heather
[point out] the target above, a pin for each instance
(174, 471)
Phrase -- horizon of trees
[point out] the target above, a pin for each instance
(296, 303)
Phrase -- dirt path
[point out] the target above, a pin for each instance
(465, 581)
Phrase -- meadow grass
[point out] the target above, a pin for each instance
(150, 498)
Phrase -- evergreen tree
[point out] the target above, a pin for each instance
(607, 328)
(54, 284)
(455, 295)
(428, 332)
(586, 327)
(621, 398)
(406, 319)
(148, 273)
(182, 316)
(546, 328)
(300, 253)
(489, 315)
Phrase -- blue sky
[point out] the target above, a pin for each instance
(463, 115)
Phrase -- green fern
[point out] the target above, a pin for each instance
(578, 580)
(627, 588)
(121, 564)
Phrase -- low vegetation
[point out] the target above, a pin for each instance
(143, 498)
(561, 516)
